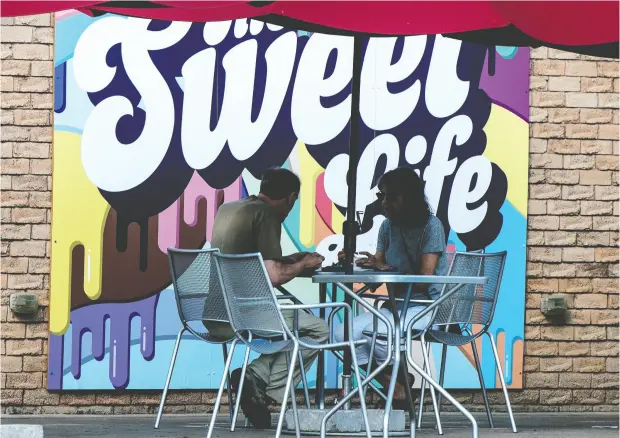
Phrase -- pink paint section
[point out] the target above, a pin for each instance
(168, 225)
(63, 15)
(323, 203)
(196, 190)
(450, 250)
(169, 220)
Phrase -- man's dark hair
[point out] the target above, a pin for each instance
(278, 183)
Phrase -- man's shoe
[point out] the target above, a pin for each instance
(253, 399)
(235, 379)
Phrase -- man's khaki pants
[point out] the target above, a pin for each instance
(273, 368)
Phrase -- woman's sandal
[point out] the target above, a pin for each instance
(399, 404)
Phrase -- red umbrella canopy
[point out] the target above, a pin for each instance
(582, 26)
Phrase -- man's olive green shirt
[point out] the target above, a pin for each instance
(247, 226)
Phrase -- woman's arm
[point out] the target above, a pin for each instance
(433, 247)
(428, 264)
(378, 260)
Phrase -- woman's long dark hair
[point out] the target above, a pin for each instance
(405, 182)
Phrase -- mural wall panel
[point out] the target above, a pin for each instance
(157, 121)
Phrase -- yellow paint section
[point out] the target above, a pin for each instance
(78, 217)
(507, 146)
(309, 172)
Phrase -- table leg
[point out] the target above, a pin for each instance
(400, 364)
(320, 365)
(347, 360)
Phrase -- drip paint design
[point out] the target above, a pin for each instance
(93, 319)
(197, 190)
(80, 213)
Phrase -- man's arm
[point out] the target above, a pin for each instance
(267, 231)
(293, 258)
(281, 272)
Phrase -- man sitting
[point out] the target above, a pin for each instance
(254, 225)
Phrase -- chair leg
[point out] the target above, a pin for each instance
(173, 359)
(287, 389)
(244, 367)
(423, 386)
(421, 400)
(304, 379)
(427, 362)
(220, 391)
(371, 357)
(371, 385)
(293, 400)
(442, 372)
(349, 396)
(503, 383)
(483, 388)
(362, 393)
(446, 394)
(228, 386)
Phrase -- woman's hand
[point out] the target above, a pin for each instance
(369, 261)
(372, 261)
(341, 256)
(362, 262)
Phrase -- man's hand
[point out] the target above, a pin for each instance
(281, 272)
(312, 260)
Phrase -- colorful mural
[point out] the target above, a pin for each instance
(156, 122)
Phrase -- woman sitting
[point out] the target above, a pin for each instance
(411, 240)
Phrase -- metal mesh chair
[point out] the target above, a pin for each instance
(199, 298)
(458, 266)
(471, 308)
(256, 316)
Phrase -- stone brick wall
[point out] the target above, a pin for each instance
(27, 102)
(572, 238)
(573, 230)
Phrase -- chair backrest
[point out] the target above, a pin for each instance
(250, 299)
(196, 285)
(472, 304)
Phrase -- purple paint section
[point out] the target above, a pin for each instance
(55, 359)
(510, 85)
(93, 319)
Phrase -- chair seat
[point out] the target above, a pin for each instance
(210, 338)
(443, 337)
(263, 346)
(449, 338)
(383, 336)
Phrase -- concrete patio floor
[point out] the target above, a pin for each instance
(552, 425)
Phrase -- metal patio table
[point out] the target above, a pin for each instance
(345, 281)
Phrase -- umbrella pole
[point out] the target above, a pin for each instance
(351, 227)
